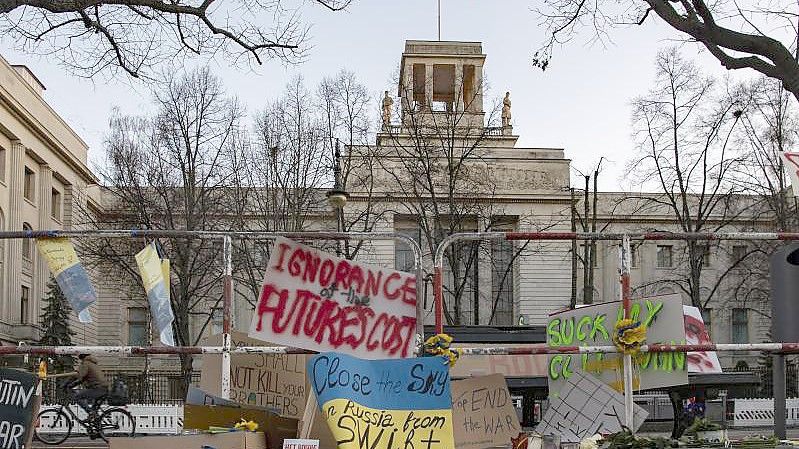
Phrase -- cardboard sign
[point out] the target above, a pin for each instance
(483, 413)
(384, 404)
(300, 444)
(17, 399)
(696, 334)
(274, 381)
(507, 365)
(314, 300)
(584, 407)
(228, 440)
(594, 326)
(277, 428)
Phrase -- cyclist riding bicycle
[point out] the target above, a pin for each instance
(94, 385)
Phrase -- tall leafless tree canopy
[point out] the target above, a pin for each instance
(92, 36)
(756, 34)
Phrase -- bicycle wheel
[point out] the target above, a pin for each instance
(53, 426)
(116, 422)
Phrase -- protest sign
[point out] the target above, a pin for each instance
(17, 399)
(300, 444)
(583, 407)
(384, 404)
(155, 278)
(521, 365)
(791, 163)
(313, 300)
(482, 413)
(275, 381)
(594, 326)
(696, 334)
(72, 278)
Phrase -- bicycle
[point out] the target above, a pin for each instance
(55, 425)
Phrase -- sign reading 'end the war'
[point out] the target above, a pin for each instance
(313, 300)
(385, 404)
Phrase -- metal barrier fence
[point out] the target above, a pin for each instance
(152, 387)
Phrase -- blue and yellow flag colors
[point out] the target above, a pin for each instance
(384, 404)
(155, 277)
(70, 275)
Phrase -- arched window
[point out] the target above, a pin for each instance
(27, 252)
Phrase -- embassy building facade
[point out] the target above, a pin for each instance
(440, 163)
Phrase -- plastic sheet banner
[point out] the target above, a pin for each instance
(155, 277)
(696, 334)
(70, 275)
(384, 404)
(313, 300)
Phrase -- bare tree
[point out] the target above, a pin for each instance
(684, 130)
(757, 35)
(91, 36)
(173, 171)
(431, 170)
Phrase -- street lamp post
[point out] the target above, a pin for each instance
(337, 196)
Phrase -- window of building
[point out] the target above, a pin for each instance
(27, 247)
(707, 318)
(635, 260)
(740, 326)
(419, 85)
(664, 256)
(217, 320)
(29, 185)
(2, 164)
(703, 251)
(403, 254)
(24, 303)
(468, 84)
(55, 204)
(461, 293)
(502, 276)
(738, 252)
(443, 87)
(137, 326)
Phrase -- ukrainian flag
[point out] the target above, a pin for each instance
(70, 275)
(384, 404)
(155, 277)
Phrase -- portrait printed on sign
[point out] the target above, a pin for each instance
(594, 326)
(402, 403)
(696, 334)
(314, 300)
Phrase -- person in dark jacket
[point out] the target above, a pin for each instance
(94, 384)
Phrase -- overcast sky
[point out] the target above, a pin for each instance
(580, 103)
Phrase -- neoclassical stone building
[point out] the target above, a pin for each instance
(442, 162)
(44, 181)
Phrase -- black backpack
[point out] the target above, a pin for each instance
(118, 395)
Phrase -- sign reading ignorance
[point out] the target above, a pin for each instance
(594, 325)
(17, 390)
(313, 300)
(384, 404)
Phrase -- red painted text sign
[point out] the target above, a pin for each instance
(313, 300)
(791, 162)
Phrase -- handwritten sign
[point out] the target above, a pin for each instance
(300, 444)
(275, 381)
(384, 404)
(483, 413)
(791, 163)
(584, 407)
(593, 326)
(17, 391)
(313, 300)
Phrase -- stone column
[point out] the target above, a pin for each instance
(16, 177)
(45, 210)
(428, 85)
(458, 88)
(477, 104)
